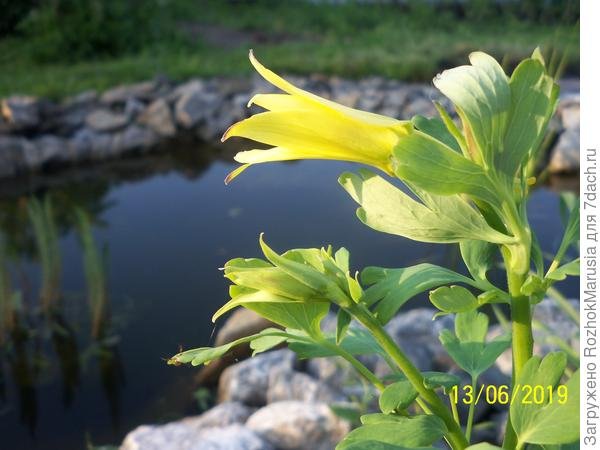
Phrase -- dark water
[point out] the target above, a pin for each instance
(91, 370)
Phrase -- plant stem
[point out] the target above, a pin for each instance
(471, 411)
(522, 340)
(360, 367)
(455, 436)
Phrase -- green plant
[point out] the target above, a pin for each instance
(42, 220)
(468, 185)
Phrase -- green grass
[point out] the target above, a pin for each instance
(350, 41)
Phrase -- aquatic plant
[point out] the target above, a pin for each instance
(94, 264)
(46, 237)
(469, 184)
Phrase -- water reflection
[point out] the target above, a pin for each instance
(106, 270)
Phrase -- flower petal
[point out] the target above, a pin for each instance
(280, 102)
(286, 86)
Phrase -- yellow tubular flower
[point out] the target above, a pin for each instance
(301, 125)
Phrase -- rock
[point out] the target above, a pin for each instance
(417, 335)
(300, 386)
(570, 115)
(565, 155)
(120, 94)
(294, 425)
(333, 371)
(195, 106)
(132, 138)
(105, 120)
(46, 149)
(247, 381)
(88, 144)
(19, 113)
(242, 322)
(222, 415)
(420, 105)
(158, 117)
(12, 151)
(133, 107)
(180, 436)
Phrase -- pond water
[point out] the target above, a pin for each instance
(128, 271)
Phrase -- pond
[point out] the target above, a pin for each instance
(109, 270)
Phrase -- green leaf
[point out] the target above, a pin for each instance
(482, 98)
(436, 128)
(397, 396)
(204, 355)
(356, 341)
(342, 259)
(386, 208)
(447, 381)
(533, 101)
(544, 421)
(453, 299)
(479, 257)
(571, 234)
(452, 128)
(537, 255)
(377, 445)
(571, 268)
(391, 288)
(343, 322)
(468, 347)
(244, 297)
(263, 343)
(428, 164)
(418, 431)
(297, 316)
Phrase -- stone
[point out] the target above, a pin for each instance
(181, 436)
(133, 107)
(565, 154)
(420, 105)
(570, 116)
(19, 113)
(87, 144)
(105, 120)
(417, 334)
(158, 117)
(222, 415)
(247, 381)
(295, 425)
(46, 149)
(132, 138)
(293, 385)
(195, 106)
(12, 150)
(120, 94)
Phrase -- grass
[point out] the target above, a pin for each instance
(211, 38)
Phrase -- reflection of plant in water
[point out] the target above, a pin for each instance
(94, 263)
(8, 300)
(46, 237)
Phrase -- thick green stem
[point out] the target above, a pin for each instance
(471, 411)
(455, 436)
(522, 340)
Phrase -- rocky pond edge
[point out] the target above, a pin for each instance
(274, 401)
(38, 133)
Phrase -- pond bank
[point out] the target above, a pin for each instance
(275, 401)
(36, 133)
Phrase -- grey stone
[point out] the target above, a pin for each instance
(195, 106)
(294, 385)
(565, 155)
(570, 115)
(120, 94)
(105, 120)
(88, 144)
(134, 107)
(157, 116)
(12, 151)
(417, 334)
(181, 436)
(46, 149)
(222, 415)
(242, 322)
(420, 105)
(247, 381)
(19, 113)
(132, 138)
(294, 425)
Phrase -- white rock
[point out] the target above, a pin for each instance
(294, 425)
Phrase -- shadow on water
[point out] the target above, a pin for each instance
(106, 269)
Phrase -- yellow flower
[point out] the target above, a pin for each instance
(301, 125)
